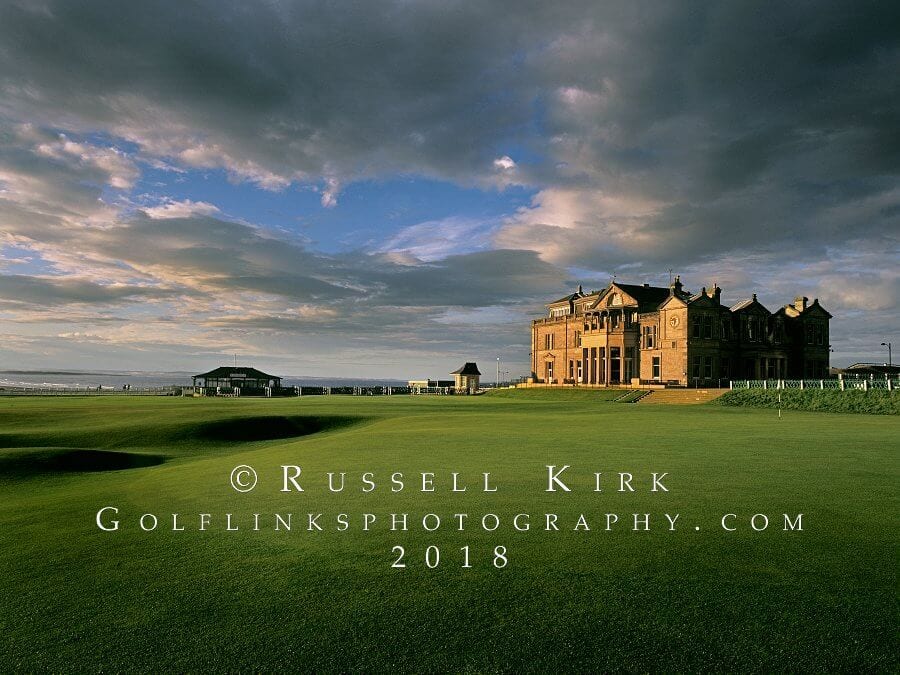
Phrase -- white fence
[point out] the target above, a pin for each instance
(92, 391)
(839, 384)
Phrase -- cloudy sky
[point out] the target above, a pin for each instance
(390, 188)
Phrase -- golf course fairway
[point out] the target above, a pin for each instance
(87, 590)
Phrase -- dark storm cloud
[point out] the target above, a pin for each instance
(314, 88)
(472, 280)
(213, 253)
(773, 111)
(755, 142)
(27, 291)
(229, 256)
(748, 125)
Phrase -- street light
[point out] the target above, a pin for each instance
(498, 372)
(888, 345)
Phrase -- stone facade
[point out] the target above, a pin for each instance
(629, 334)
(466, 378)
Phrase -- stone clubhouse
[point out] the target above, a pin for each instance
(636, 335)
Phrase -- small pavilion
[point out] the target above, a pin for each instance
(466, 378)
(230, 377)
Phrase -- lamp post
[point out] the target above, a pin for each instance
(888, 345)
(498, 372)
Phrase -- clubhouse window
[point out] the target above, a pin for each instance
(548, 341)
(695, 327)
(629, 363)
(695, 367)
(655, 367)
(707, 367)
(707, 327)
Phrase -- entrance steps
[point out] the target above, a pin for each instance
(681, 396)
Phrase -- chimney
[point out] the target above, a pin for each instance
(800, 303)
(676, 286)
(579, 290)
(716, 294)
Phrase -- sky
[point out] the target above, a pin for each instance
(391, 188)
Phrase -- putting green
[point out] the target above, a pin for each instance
(265, 597)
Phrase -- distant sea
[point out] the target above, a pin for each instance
(107, 379)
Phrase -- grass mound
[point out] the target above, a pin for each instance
(560, 394)
(878, 402)
(72, 460)
(267, 428)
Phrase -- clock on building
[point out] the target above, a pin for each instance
(674, 321)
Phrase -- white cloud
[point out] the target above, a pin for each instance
(181, 209)
(120, 170)
(437, 239)
(330, 193)
(572, 226)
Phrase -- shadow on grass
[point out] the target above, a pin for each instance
(71, 460)
(212, 433)
(269, 428)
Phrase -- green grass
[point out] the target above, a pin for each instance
(74, 598)
(873, 402)
(556, 395)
